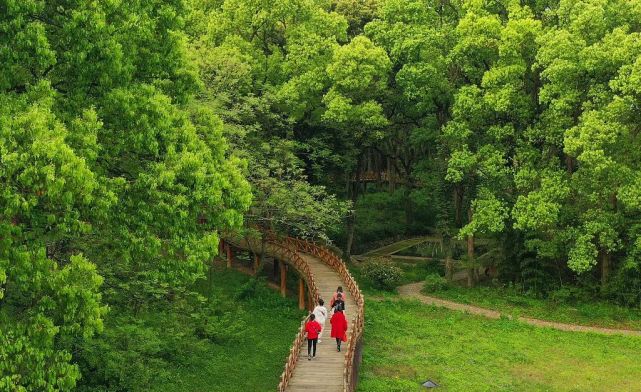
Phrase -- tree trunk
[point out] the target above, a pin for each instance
(409, 210)
(449, 262)
(230, 255)
(352, 193)
(256, 263)
(569, 164)
(606, 266)
(471, 271)
(390, 176)
(458, 207)
(221, 247)
(351, 225)
(378, 167)
(301, 294)
(470, 259)
(283, 279)
(275, 271)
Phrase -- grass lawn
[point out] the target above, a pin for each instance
(411, 272)
(601, 314)
(407, 342)
(255, 361)
(510, 301)
(230, 345)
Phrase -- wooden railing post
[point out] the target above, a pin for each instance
(283, 279)
(301, 294)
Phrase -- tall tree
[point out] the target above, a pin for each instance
(102, 162)
(48, 301)
(358, 75)
(417, 36)
(573, 209)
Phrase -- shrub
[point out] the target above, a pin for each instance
(382, 274)
(569, 295)
(253, 288)
(131, 355)
(435, 282)
(226, 328)
(625, 286)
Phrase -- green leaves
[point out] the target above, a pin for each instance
(477, 44)
(539, 209)
(359, 68)
(35, 340)
(100, 157)
(46, 188)
(79, 300)
(45, 183)
(358, 74)
(460, 164)
(285, 201)
(489, 215)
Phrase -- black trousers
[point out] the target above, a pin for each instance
(338, 342)
(311, 343)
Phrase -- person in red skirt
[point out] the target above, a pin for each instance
(339, 327)
(313, 328)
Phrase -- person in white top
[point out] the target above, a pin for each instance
(320, 314)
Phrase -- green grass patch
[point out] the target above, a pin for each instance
(412, 272)
(509, 301)
(237, 340)
(253, 362)
(407, 342)
(418, 271)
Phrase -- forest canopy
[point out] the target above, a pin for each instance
(133, 133)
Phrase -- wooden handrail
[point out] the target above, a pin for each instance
(285, 252)
(289, 249)
(334, 262)
(291, 254)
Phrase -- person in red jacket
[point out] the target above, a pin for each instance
(313, 328)
(339, 327)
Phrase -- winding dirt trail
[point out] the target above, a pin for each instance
(413, 290)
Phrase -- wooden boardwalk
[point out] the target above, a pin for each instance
(325, 373)
(323, 272)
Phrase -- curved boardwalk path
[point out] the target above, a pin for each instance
(323, 272)
(325, 373)
(413, 290)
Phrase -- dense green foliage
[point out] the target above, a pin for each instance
(134, 133)
(224, 342)
(505, 119)
(407, 343)
(382, 273)
(113, 191)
